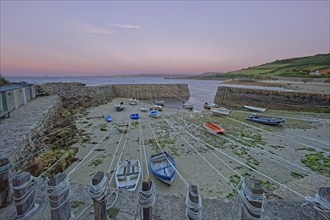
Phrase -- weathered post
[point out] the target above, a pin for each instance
(59, 197)
(146, 186)
(193, 203)
(255, 188)
(4, 181)
(324, 194)
(24, 194)
(99, 203)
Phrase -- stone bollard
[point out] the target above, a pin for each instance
(98, 195)
(4, 181)
(193, 203)
(324, 194)
(146, 186)
(24, 194)
(255, 188)
(59, 197)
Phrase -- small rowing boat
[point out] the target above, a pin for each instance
(214, 128)
(135, 116)
(154, 113)
(163, 166)
(133, 101)
(159, 102)
(119, 107)
(256, 109)
(123, 127)
(220, 111)
(208, 105)
(108, 118)
(188, 105)
(144, 109)
(158, 107)
(128, 174)
(264, 119)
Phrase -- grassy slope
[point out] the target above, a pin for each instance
(300, 67)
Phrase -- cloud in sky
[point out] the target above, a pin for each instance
(93, 29)
(127, 26)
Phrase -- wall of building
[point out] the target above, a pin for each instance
(272, 99)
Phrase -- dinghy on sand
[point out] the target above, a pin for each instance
(163, 166)
(128, 174)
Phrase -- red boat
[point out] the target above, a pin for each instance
(213, 128)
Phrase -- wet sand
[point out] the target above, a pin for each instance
(193, 168)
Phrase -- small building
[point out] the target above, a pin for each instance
(14, 95)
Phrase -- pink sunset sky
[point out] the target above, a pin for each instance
(58, 38)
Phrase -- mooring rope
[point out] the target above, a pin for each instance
(59, 191)
(5, 168)
(215, 169)
(180, 175)
(146, 199)
(268, 132)
(320, 205)
(97, 191)
(247, 197)
(32, 183)
(193, 210)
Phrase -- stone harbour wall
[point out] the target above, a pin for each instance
(272, 99)
(108, 92)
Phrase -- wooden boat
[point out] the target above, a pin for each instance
(127, 174)
(188, 105)
(108, 118)
(154, 113)
(119, 107)
(210, 105)
(143, 109)
(220, 111)
(214, 128)
(163, 166)
(123, 127)
(159, 102)
(133, 101)
(265, 119)
(158, 107)
(256, 109)
(135, 116)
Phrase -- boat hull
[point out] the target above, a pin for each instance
(256, 109)
(128, 174)
(265, 120)
(213, 128)
(163, 166)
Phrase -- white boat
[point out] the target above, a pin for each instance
(133, 101)
(256, 109)
(159, 102)
(220, 111)
(119, 107)
(123, 127)
(127, 174)
(144, 109)
(188, 105)
(210, 105)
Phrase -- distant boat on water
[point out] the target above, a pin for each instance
(252, 108)
(265, 120)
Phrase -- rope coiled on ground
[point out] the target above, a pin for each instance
(193, 210)
(247, 196)
(320, 205)
(32, 184)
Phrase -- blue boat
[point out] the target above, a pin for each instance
(108, 118)
(163, 166)
(264, 119)
(135, 116)
(154, 113)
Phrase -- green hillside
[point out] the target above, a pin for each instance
(294, 67)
